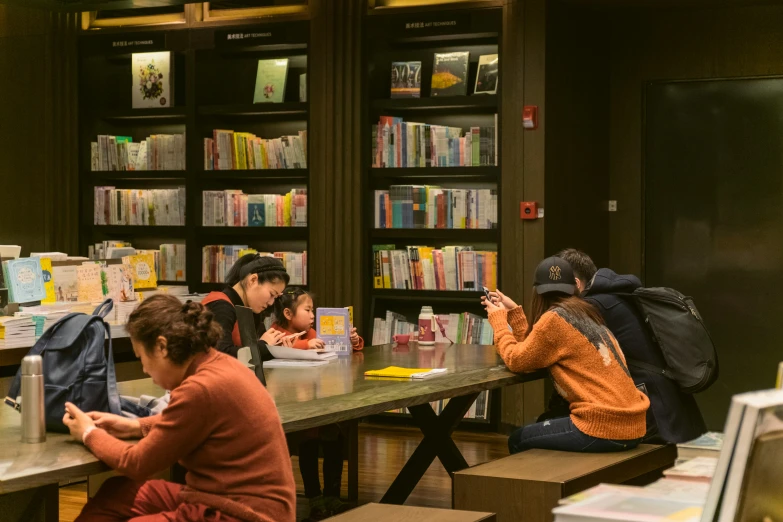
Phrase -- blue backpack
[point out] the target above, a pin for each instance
(75, 367)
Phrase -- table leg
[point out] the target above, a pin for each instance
(40, 504)
(352, 434)
(437, 430)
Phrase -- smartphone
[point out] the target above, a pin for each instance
(486, 293)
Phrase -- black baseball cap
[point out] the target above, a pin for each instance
(554, 274)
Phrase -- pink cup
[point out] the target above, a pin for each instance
(401, 338)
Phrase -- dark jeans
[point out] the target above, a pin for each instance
(333, 464)
(561, 434)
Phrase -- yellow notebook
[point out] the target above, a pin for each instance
(405, 373)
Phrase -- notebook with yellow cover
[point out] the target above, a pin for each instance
(404, 373)
(143, 265)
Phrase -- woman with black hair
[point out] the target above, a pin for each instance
(254, 281)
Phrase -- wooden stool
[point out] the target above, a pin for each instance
(394, 513)
(527, 486)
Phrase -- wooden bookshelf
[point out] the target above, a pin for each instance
(413, 34)
(213, 78)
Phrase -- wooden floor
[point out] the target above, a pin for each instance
(383, 450)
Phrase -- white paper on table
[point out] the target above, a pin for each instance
(284, 352)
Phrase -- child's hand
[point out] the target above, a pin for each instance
(315, 344)
(354, 337)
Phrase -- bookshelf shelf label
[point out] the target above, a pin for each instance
(138, 42)
(419, 26)
(269, 35)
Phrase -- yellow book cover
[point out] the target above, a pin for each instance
(264, 158)
(246, 251)
(245, 157)
(350, 315)
(287, 210)
(143, 266)
(48, 279)
(397, 372)
(235, 147)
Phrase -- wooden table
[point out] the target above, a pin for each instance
(307, 398)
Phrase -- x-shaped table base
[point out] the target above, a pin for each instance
(437, 430)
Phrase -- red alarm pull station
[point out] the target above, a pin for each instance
(528, 210)
(530, 117)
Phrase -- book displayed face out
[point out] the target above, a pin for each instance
(450, 74)
(270, 81)
(152, 80)
(406, 80)
(487, 75)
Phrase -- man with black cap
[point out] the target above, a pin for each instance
(567, 336)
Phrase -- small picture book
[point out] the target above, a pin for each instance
(450, 74)
(406, 80)
(24, 279)
(89, 282)
(152, 80)
(333, 326)
(66, 283)
(48, 279)
(270, 80)
(143, 271)
(256, 210)
(487, 76)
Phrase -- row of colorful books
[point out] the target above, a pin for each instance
(479, 409)
(400, 144)
(217, 260)
(155, 207)
(157, 152)
(450, 268)
(229, 150)
(428, 206)
(234, 208)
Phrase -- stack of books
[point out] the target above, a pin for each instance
(384, 330)
(234, 208)
(170, 262)
(158, 152)
(400, 144)
(17, 332)
(156, 207)
(229, 150)
(465, 328)
(450, 268)
(428, 206)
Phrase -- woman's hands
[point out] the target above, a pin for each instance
(273, 337)
(116, 425)
(497, 301)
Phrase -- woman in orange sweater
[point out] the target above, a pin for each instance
(567, 336)
(221, 425)
(294, 313)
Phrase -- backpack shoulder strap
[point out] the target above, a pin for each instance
(111, 377)
(650, 368)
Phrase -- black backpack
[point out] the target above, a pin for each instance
(676, 327)
(76, 368)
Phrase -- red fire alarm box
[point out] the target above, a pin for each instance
(530, 117)
(528, 210)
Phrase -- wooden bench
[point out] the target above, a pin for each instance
(394, 513)
(527, 486)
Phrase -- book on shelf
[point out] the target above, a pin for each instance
(153, 85)
(400, 144)
(89, 281)
(106, 249)
(217, 260)
(229, 150)
(270, 80)
(433, 207)
(24, 279)
(120, 153)
(708, 445)
(478, 410)
(48, 280)
(143, 270)
(630, 505)
(487, 75)
(406, 80)
(137, 207)
(450, 74)
(462, 328)
(170, 262)
(303, 87)
(234, 208)
(451, 268)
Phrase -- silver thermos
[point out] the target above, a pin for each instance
(33, 417)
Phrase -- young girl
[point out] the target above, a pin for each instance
(294, 314)
(567, 336)
(221, 425)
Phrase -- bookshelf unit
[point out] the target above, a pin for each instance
(213, 70)
(411, 34)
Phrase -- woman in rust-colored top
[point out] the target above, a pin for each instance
(220, 425)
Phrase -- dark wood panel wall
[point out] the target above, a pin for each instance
(38, 201)
(655, 44)
(334, 259)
